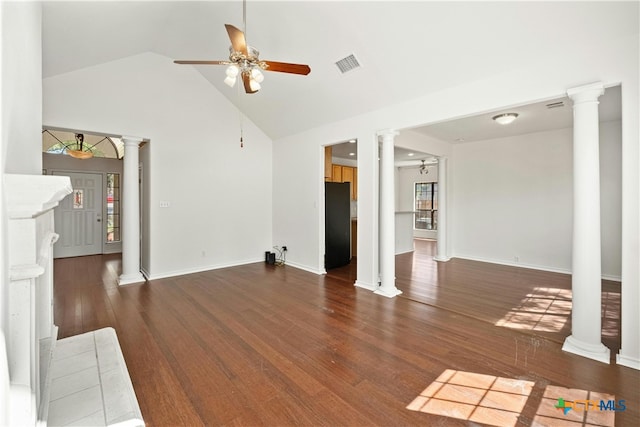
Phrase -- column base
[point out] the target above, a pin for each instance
(629, 362)
(596, 352)
(440, 258)
(130, 279)
(368, 286)
(389, 293)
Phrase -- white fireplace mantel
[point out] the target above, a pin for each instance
(27, 196)
(31, 333)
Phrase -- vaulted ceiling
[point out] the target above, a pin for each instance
(406, 49)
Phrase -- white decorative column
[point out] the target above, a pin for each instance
(441, 248)
(131, 213)
(387, 209)
(586, 282)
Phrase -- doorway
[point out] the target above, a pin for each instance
(78, 217)
(340, 204)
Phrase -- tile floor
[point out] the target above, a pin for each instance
(90, 384)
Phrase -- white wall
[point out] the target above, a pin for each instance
(22, 86)
(20, 126)
(513, 200)
(145, 212)
(219, 193)
(611, 198)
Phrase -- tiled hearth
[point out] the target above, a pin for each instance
(90, 385)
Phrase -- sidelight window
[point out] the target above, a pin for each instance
(113, 207)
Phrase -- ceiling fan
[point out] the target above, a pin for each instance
(423, 167)
(244, 61)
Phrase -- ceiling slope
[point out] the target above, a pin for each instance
(407, 49)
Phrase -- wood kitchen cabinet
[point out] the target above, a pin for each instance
(328, 166)
(336, 173)
(349, 174)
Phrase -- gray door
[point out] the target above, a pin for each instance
(78, 217)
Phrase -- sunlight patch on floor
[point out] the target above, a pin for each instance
(480, 398)
(544, 310)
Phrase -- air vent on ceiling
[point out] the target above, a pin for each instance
(556, 104)
(348, 63)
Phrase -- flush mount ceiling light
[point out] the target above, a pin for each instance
(506, 118)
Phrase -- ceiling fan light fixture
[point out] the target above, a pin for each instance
(232, 71)
(506, 118)
(230, 81)
(80, 154)
(257, 75)
(254, 85)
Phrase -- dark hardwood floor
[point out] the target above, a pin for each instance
(276, 346)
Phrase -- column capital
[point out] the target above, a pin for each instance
(130, 140)
(586, 93)
(386, 133)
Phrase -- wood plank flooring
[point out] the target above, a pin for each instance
(276, 346)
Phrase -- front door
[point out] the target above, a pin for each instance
(78, 217)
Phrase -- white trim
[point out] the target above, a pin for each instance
(630, 362)
(513, 264)
(306, 268)
(130, 279)
(199, 269)
(597, 352)
(392, 293)
(405, 252)
(175, 273)
(529, 266)
(367, 286)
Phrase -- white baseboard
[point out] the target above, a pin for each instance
(306, 268)
(530, 266)
(367, 286)
(174, 273)
(630, 362)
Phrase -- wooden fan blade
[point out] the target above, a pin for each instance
(202, 62)
(246, 79)
(237, 39)
(285, 67)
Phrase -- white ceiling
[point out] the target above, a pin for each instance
(535, 117)
(407, 49)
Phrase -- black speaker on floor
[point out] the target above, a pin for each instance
(270, 258)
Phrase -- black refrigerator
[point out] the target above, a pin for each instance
(337, 229)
